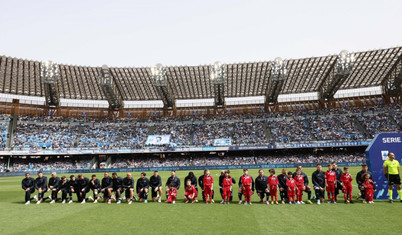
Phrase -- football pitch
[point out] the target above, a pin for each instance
(198, 218)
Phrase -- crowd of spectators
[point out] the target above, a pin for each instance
(48, 164)
(180, 134)
(55, 163)
(249, 133)
(205, 134)
(214, 160)
(377, 123)
(48, 136)
(346, 124)
(4, 121)
(335, 128)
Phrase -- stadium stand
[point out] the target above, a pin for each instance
(276, 158)
(244, 130)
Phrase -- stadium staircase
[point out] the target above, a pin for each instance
(77, 138)
(12, 126)
(94, 162)
(306, 122)
(120, 135)
(192, 135)
(151, 130)
(361, 128)
(391, 117)
(267, 131)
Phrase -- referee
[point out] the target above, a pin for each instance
(391, 171)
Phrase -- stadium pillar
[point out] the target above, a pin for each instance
(217, 76)
(386, 99)
(219, 110)
(16, 106)
(275, 80)
(336, 76)
(270, 108)
(163, 87)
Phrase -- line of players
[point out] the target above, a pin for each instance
(290, 186)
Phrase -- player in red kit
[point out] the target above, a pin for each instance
(273, 186)
(191, 193)
(247, 183)
(227, 187)
(172, 194)
(299, 178)
(346, 180)
(208, 182)
(330, 182)
(369, 187)
(291, 184)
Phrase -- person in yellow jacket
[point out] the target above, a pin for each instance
(391, 170)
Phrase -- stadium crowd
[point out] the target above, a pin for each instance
(48, 164)
(352, 124)
(213, 160)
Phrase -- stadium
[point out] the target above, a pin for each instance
(211, 124)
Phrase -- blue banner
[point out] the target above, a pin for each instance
(377, 153)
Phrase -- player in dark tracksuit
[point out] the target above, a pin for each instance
(41, 186)
(128, 186)
(338, 173)
(360, 180)
(73, 188)
(94, 185)
(307, 189)
(283, 188)
(53, 183)
(173, 179)
(117, 186)
(83, 188)
(221, 186)
(318, 179)
(64, 188)
(155, 181)
(240, 192)
(28, 185)
(193, 180)
(261, 185)
(107, 187)
(142, 188)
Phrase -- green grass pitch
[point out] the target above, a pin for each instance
(181, 218)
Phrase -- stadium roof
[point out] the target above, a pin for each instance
(22, 77)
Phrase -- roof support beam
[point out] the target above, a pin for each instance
(275, 81)
(109, 89)
(162, 86)
(217, 76)
(49, 73)
(393, 82)
(337, 75)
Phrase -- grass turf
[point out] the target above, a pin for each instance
(153, 218)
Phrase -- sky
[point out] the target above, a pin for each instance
(187, 32)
